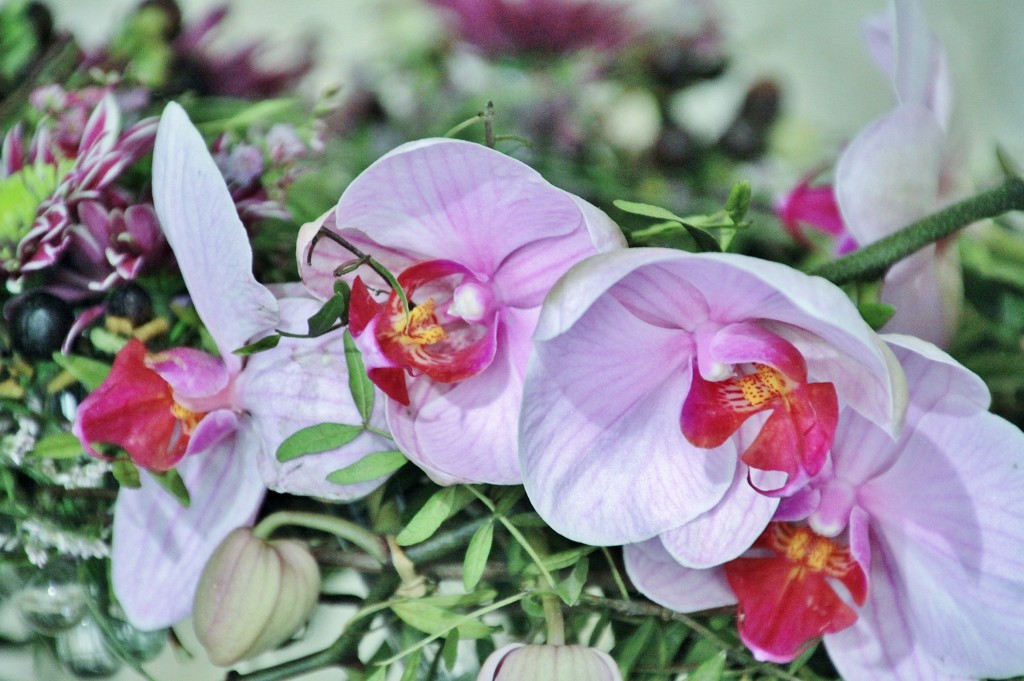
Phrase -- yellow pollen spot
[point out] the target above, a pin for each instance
(806, 548)
(189, 419)
(764, 385)
(422, 327)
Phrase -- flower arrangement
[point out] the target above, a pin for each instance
(553, 400)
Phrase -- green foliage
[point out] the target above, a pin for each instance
(315, 439)
(369, 467)
(442, 505)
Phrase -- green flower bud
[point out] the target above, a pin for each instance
(518, 662)
(253, 595)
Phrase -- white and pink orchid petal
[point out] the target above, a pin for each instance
(610, 485)
(160, 547)
(882, 644)
(456, 200)
(193, 374)
(303, 382)
(213, 429)
(204, 231)
(746, 343)
(102, 128)
(926, 290)
(889, 175)
(726, 530)
(467, 432)
(654, 573)
(949, 507)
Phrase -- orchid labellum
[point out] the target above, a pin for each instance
(904, 555)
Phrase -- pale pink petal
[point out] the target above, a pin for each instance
(659, 577)
(926, 289)
(467, 432)
(160, 547)
(603, 457)
(456, 200)
(199, 219)
(726, 530)
(303, 382)
(889, 174)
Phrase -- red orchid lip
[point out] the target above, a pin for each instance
(135, 410)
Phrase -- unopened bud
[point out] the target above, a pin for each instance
(253, 595)
(518, 662)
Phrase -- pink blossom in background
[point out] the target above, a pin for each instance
(477, 239)
(558, 27)
(659, 377)
(906, 555)
(218, 421)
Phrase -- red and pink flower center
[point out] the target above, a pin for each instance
(786, 590)
(797, 435)
(448, 332)
(135, 409)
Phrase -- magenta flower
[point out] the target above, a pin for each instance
(49, 182)
(217, 420)
(476, 239)
(558, 27)
(905, 555)
(900, 168)
(662, 381)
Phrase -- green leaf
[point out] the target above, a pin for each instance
(126, 473)
(173, 484)
(646, 210)
(738, 202)
(265, 343)
(58, 446)
(705, 242)
(452, 600)
(315, 439)
(477, 552)
(380, 674)
(359, 384)
(876, 314)
(709, 670)
(106, 341)
(370, 467)
(328, 315)
(412, 666)
(431, 619)
(450, 651)
(505, 497)
(633, 647)
(562, 559)
(437, 509)
(570, 588)
(90, 372)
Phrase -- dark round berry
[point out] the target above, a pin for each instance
(675, 149)
(762, 104)
(39, 324)
(678, 63)
(131, 302)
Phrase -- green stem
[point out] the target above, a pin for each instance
(873, 260)
(358, 535)
(555, 622)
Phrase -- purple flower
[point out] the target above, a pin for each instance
(647, 361)
(558, 27)
(925, 532)
(476, 239)
(48, 178)
(903, 167)
(233, 414)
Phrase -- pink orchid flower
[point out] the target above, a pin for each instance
(666, 388)
(476, 239)
(218, 421)
(906, 555)
(899, 169)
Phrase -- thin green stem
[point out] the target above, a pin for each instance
(358, 535)
(517, 535)
(619, 582)
(873, 260)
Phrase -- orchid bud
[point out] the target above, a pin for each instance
(253, 595)
(518, 662)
